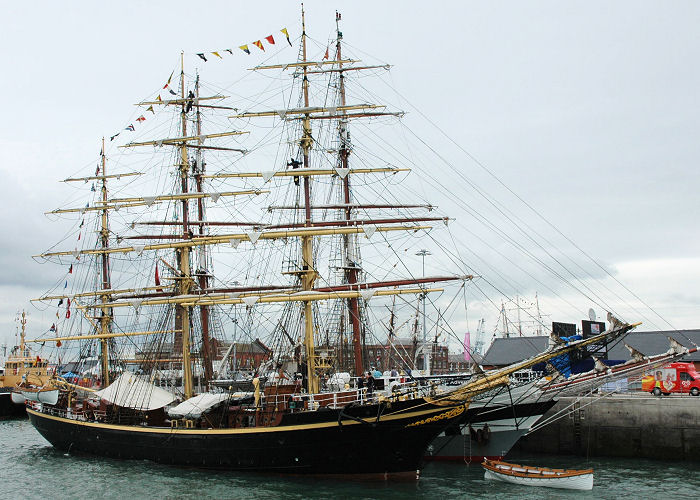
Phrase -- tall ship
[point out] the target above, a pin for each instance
(273, 227)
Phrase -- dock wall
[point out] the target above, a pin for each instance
(635, 425)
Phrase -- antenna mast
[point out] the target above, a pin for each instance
(22, 345)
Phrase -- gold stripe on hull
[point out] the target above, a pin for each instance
(248, 430)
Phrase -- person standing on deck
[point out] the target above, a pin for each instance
(370, 385)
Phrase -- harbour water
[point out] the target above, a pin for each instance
(32, 468)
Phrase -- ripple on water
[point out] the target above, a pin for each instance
(40, 471)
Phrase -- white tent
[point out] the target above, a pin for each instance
(133, 391)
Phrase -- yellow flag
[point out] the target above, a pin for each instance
(217, 55)
(150, 108)
(245, 49)
(284, 30)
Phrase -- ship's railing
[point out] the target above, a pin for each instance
(58, 412)
(395, 389)
(89, 415)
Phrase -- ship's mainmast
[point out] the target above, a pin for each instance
(182, 312)
(309, 276)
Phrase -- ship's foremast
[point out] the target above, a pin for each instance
(106, 312)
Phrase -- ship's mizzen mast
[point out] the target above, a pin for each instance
(106, 314)
(182, 313)
(308, 278)
(351, 265)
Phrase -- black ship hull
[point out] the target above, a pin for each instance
(467, 441)
(306, 443)
(517, 411)
(8, 409)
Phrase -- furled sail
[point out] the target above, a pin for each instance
(194, 407)
(133, 391)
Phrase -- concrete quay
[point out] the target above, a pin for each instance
(621, 425)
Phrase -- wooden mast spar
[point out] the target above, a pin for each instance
(308, 278)
(351, 266)
(106, 313)
(104, 291)
(202, 269)
(182, 313)
(226, 238)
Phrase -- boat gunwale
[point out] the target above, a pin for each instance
(243, 430)
(492, 465)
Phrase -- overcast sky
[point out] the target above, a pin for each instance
(587, 110)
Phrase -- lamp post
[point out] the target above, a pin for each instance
(426, 356)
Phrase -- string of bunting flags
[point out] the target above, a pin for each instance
(70, 272)
(270, 39)
(132, 128)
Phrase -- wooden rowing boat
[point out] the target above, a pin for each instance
(538, 476)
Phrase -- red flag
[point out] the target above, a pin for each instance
(270, 39)
(58, 343)
(67, 313)
(326, 56)
(158, 279)
(70, 269)
(141, 119)
(169, 78)
(259, 45)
